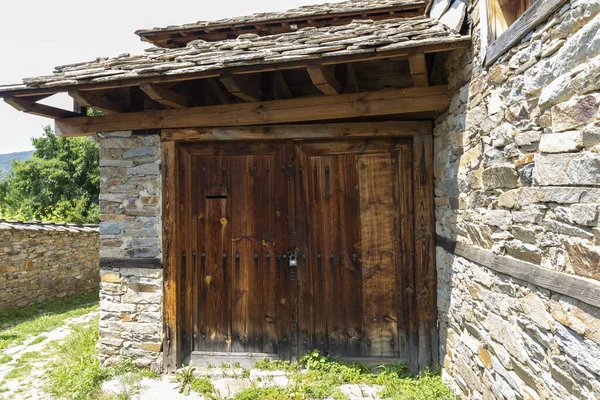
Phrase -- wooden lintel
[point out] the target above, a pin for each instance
(42, 110)
(164, 96)
(97, 102)
(324, 79)
(387, 102)
(353, 130)
(240, 88)
(418, 69)
(583, 289)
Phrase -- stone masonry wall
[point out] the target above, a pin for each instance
(42, 262)
(517, 172)
(130, 229)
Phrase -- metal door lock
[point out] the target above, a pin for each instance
(293, 257)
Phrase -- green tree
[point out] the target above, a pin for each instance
(60, 183)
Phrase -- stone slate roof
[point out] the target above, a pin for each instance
(294, 13)
(358, 37)
(46, 226)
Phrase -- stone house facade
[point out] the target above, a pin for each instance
(515, 167)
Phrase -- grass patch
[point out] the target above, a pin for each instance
(37, 340)
(18, 372)
(76, 373)
(323, 377)
(5, 358)
(17, 325)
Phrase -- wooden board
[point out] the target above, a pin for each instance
(308, 131)
(380, 318)
(534, 16)
(424, 250)
(432, 98)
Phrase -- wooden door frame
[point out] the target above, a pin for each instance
(423, 216)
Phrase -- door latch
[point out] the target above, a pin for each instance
(293, 257)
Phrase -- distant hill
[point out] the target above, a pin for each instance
(6, 161)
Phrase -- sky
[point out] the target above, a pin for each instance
(37, 35)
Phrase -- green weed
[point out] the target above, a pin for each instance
(17, 325)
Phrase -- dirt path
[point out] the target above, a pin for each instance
(24, 364)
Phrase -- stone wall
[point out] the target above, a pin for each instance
(130, 234)
(517, 172)
(42, 262)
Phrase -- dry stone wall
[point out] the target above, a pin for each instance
(43, 262)
(130, 233)
(517, 172)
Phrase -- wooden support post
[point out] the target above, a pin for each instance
(424, 250)
(324, 79)
(165, 96)
(241, 88)
(42, 110)
(418, 69)
(171, 238)
(97, 102)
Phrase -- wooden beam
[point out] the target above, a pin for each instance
(170, 246)
(399, 54)
(418, 70)
(387, 102)
(306, 131)
(281, 90)
(97, 102)
(217, 91)
(42, 110)
(324, 79)
(583, 289)
(352, 85)
(531, 18)
(240, 88)
(165, 96)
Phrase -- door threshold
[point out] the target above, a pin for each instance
(373, 362)
(206, 359)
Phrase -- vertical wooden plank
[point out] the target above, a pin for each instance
(340, 216)
(170, 243)
(351, 273)
(214, 246)
(195, 255)
(268, 245)
(304, 302)
(247, 327)
(283, 180)
(403, 235)
(185, 196)
(425, 274)
(380, 314)
(319, 260)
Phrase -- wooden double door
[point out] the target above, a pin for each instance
(293, 246)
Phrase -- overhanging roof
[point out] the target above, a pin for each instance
(317, 15)
(364, 39)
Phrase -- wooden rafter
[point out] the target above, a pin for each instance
(240, 87)
(42, 110)
(418, 69)
(217, 91)
(387, 102)
(99, 102)
(398, 54)
(324, 79)
(281, 90)
(165, 96)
